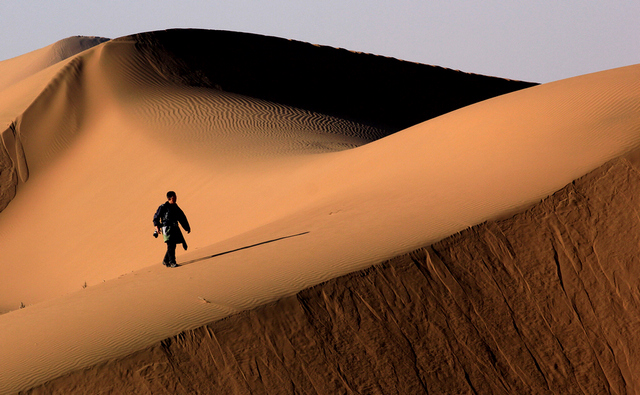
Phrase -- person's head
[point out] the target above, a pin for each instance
(171, 197)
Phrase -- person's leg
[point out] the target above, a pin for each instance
(170, 255)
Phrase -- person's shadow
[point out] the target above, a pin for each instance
(238, 249)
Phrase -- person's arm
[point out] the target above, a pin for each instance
(157, 219)
(183, 221)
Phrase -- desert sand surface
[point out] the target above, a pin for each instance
(290, 180)
(543, 302)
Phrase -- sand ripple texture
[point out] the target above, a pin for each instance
(212, 122)
(107, 111)
(230, 123)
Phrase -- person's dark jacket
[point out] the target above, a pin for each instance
(167, 217)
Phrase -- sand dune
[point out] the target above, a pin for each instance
(316, 188)
(22, 80)
(113, 130)
(543, 302)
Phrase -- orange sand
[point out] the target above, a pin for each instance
(99, 138)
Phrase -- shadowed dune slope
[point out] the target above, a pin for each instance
(543, 302)
(369, 89)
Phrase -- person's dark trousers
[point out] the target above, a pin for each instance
(170, 256)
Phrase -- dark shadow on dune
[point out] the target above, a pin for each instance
(373, 90)
(13, 165)
(239, 249)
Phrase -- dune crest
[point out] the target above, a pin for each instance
(16, 69)
(543, 302)
(383, 92)
(447, 294)
(23, 80)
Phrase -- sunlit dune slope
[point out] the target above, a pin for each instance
(22, 80)
(117, 126)
(542, 302)
(281, 196)
(16, 69)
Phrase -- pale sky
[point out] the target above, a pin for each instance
(539, 41)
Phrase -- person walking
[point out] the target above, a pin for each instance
(166, 220)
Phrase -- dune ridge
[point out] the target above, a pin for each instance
(27, 80)
(383, 92)
(21, 67)
(542, 302)
(278, 199)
